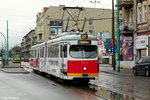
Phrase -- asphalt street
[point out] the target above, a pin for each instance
(34, 87)
(109, 86)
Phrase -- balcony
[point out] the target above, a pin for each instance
(127, 27)
(126, 3)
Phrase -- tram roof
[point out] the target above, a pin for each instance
(38, 44)
(66, 36)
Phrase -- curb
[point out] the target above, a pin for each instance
(15, 72)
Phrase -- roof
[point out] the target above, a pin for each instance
(71, 36)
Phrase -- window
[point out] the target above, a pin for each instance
(147, 60)
(83, 51)
(38, 53)
(63, 49)
(40, 36)
(42, 52)
(53, 50)
(56, 23)
(31, 54)
(48, 51)
(145, 13)
(140, 61)
(35, 51)
(139, 15)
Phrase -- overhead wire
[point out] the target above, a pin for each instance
(81, 2)
(70, 2)
(84, 19)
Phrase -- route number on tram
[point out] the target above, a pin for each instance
(84, 36)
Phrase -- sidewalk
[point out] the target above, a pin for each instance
(106, 68)
(13, 69)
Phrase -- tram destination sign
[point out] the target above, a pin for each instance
(84, 41)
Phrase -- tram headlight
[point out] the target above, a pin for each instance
(84, 68)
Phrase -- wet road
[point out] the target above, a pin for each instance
(108, 87)
(122, 87)
(34, 87)
(111, 86)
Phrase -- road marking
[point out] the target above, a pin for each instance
(10, 98)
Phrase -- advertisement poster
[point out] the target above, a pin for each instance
(141, 42)
(55, 30)
(126, 48)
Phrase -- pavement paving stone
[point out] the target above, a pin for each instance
(13, 70)
(108, 69)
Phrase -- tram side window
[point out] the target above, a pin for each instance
(45, 51)
(35, 53)
(38, 55)
(42, 52)
(56, 50)
(31, 54)
(63, 49)
(49, 51)
(53, 51)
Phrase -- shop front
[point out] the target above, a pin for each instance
(141, 45)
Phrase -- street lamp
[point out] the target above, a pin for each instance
(3, 36)
(94, 2)
(5, 46)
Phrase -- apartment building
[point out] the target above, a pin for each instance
(127, 31)
(143, 28)
(49, 22)
(27, 41)
(135, 31)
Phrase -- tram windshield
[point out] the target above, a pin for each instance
(16, 56)
(83, 51)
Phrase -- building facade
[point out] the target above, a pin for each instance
(27, 41)
(143, 28)
(127, 32)
(134, 31)
(49, 22)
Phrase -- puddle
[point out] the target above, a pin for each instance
(110, 95)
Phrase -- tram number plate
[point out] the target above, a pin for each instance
(84, 74)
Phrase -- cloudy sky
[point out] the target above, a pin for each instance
(21, 15)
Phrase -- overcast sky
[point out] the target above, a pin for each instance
(21, 15)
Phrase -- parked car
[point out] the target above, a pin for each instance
(142, 67)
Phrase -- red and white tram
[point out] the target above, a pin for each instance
(69, 56)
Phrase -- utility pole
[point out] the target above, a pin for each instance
(57, 27)
(118, 36)
(7, 47)
(113, 37)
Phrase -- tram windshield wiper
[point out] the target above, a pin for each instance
(90, 56)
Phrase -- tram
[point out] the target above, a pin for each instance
(16, 58)
(69, 56)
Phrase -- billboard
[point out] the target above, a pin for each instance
(126, 48)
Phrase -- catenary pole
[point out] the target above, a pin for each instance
(7, 47)
(118, 36)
